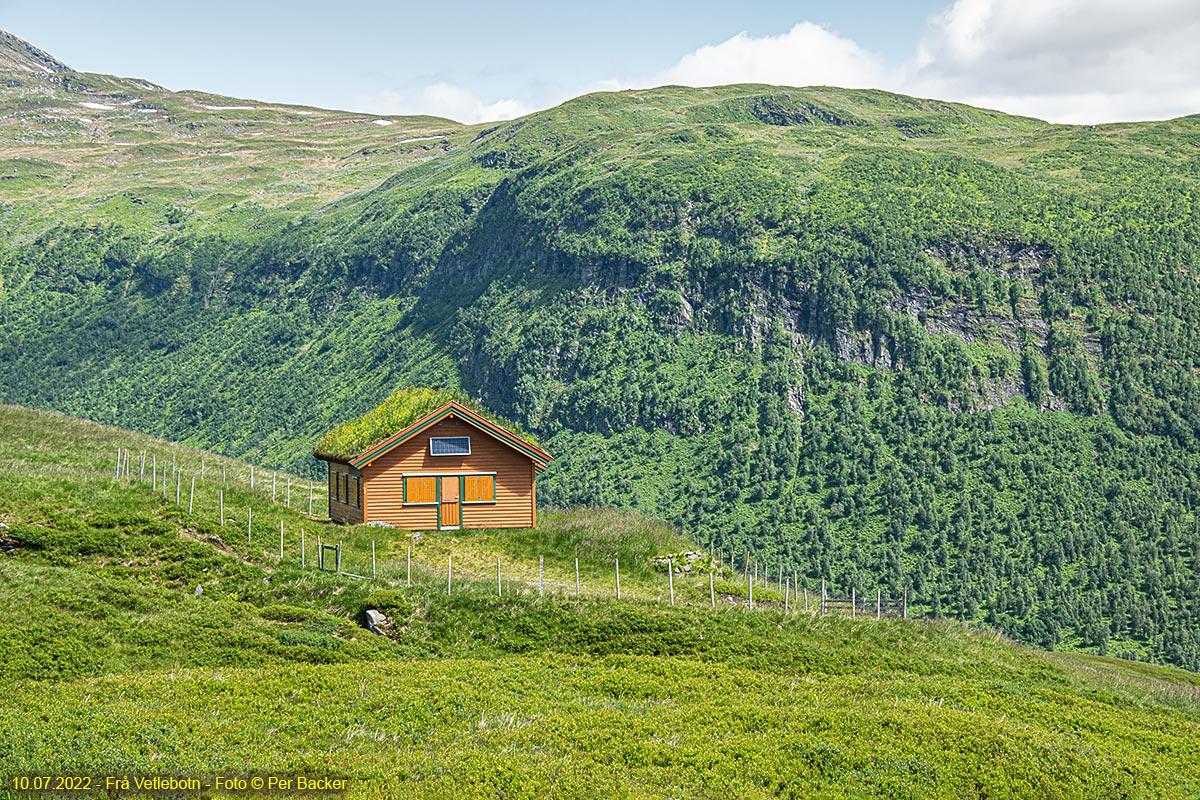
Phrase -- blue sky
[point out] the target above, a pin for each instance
(1066, 60)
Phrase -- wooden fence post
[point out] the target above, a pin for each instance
(337, 558)
(222, 473)
(853, 602)
(221, 506)
(192, 494)
(154, 472)
(878, 603)
(806, 598)
(289, 492)
(906, 603)
(178, 478)
(671, 580)
(786, 589)
(302, 548)
(142, 468)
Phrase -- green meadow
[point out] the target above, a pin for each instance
(114, 664)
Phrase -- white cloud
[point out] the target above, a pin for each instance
(806, 55)
(443, 99)
(1063, 60)
(1077, 61)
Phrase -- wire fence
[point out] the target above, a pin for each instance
(713, 584)
(177, 478)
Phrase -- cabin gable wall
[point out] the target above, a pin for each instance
(384, 480)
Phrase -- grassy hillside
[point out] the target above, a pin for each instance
(895, 343)
(116, 666)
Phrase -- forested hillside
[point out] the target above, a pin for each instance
(885, 340)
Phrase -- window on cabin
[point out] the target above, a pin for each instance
(479, 489)
(450, 445)
(352, 493)
(333, 495)
(420, 490)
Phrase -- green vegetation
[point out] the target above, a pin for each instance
(893, 343)
(116, 665)
(394, 414)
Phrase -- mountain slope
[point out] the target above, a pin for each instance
(884, 341)
(117, 666)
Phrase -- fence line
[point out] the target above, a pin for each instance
(754, 574)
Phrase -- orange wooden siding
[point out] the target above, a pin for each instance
(513, 481)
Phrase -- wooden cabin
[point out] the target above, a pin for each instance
(450, 469)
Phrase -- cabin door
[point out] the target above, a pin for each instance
(450, 504)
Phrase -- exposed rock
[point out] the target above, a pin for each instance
(199, 590)
(683, 563)
(378, 622)
(376, 523)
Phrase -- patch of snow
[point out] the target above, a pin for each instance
(422, 138)
(305, 113)
(229, 108)
(148, 110)
(381, 122)
(97, 106)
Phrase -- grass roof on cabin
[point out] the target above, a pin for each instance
(394, 415)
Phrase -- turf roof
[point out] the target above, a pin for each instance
(394, 415)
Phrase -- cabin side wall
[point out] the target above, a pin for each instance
(514, 506)
(347, 493)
